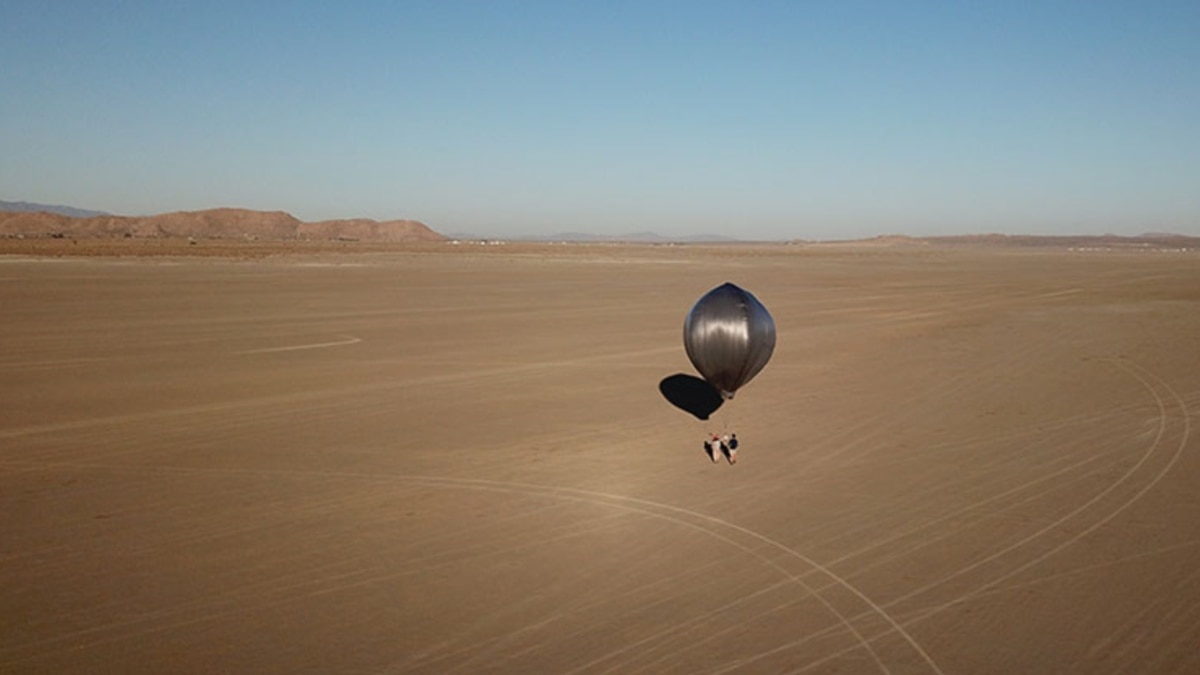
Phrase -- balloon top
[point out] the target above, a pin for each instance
(729, 337)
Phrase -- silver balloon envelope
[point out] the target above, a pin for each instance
(729, 336)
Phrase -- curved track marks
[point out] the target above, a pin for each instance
(814, 578)
(741, 538)
(1174, 421)
(343, 341)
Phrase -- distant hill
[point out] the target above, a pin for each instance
(587, 237)
(1149, 241)
(26, 219)
(31, 207)
(631, 238)
(223, 223)
(1112, 241)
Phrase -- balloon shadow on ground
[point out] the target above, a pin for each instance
(691, 394)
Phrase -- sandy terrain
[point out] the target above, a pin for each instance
(958, 461)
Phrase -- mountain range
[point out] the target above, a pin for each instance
(30, 207)
(588, 237)
(22, 219)
(27, 219)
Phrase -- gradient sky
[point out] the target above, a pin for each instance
(771, 120)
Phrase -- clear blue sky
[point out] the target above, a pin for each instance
(771, 120)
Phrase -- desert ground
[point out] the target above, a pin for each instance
(458, 460)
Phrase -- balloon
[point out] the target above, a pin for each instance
(729, 337)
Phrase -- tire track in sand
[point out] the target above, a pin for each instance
(721, 530)
(1159, 390)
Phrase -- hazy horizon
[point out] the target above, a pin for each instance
(755, 120)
